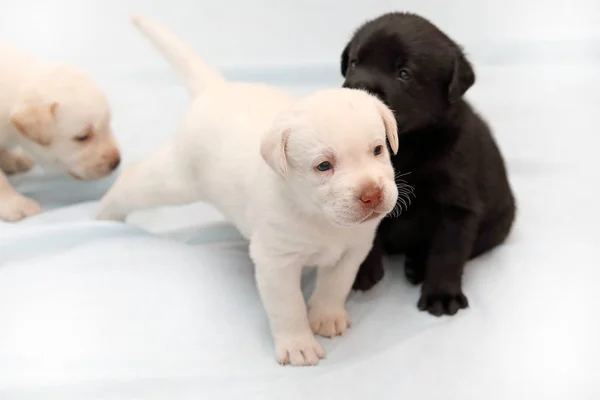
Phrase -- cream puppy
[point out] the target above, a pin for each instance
(305, 180)
(59, 116)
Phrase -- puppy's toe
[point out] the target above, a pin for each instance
(329, 323)
(441, 300)
(300, 350)
(15, 207)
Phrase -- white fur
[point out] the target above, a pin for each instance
(43, 108)
(251, 150)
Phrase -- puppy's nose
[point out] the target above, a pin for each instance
(370, 87)
(115, 163)
(356, 84)
(371, 196)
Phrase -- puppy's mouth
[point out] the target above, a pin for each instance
(79, 177)
(371, 216)
(347, 223)
(74, 176)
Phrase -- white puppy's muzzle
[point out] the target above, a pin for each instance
(370, 200)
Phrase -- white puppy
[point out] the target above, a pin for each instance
(59, 116)
(306, 181)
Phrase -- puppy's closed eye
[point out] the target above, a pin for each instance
(85, 136)
(81, 138)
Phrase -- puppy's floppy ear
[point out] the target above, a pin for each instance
(344, 59)
(389, 121)
(462, 79)
(272, 147)
(35, 121)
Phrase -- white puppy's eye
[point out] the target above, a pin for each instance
(324, 166)
(85, 135)
(82, 138)
(377, 150)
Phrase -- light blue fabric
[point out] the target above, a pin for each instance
(166, 307)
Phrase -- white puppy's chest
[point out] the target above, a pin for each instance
(326, 249)
(326, 256)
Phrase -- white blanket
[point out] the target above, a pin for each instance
(166, 307)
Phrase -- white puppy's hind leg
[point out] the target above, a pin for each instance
(327, 310)
(164, 178)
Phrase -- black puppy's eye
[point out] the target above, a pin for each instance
(324, 166)
(377, 150)
(353, 63)
(404, 74)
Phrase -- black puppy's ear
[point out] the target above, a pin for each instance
(344, 60)
(463, 77)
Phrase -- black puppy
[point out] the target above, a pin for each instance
(463, 204)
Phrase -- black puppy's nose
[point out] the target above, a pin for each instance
(356, 84)
(370, 87)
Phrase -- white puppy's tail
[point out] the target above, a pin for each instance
(197, 74)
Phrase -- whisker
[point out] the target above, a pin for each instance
(398, 174)
(394, 212)
(406, 190)
(405, 194)
(403, 202)
(405, 185)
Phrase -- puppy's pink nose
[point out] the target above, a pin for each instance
(371, 196)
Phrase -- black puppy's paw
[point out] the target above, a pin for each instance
(414, 270)
(368, 276)
(444, 299)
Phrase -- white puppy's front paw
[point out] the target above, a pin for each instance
(15, 161)
(109, 212)
(14, 207)
(329, 322)
(298, 350)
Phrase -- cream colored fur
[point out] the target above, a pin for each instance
(58, 116)
(252, 151)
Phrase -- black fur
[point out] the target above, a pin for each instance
(463, 203)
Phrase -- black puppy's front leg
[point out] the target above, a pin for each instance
(414, 263)
(451, 245)
(371, 270)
